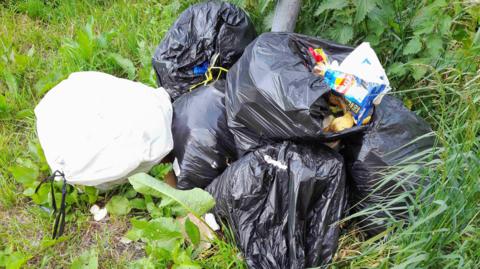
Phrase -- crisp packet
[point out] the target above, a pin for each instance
(360, 79)
(358, 94)
(363, 63)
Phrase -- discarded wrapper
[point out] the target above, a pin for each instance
(360, 79)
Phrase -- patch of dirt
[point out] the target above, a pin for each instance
(29, 232)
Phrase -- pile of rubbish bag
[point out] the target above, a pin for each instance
(289, 133)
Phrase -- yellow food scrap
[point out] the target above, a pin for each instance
(366, 120)
(342, 123)
(327, 121)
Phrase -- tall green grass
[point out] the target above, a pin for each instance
(444, 223)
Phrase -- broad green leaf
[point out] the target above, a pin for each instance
(434, 45)
(164, 249)
(363, 7)
(118, 205)
(373, 39)
(192, 231)
(29, 192)
(88, 260)
(147, 76)
(42, 197)
(174, 207)
(36, 150)
(180, 256)
(104, 39)
(413, 46)
(183, 260)
(419, 71)
(343, 34)
(428, 16)
(149, 203)
(158, 229)
(422, 15)
(72, 197)
(15, 260)
(134, 234)
(11, 81)
(24, 175)
(418, 67)
(125, 63)
(92, 194)
(397, 69)
(161, 170)
(85, 46)
(444, 24)
(138, 203)
(130, 193)
(196, 201)
(143, 263)
(382, 14)
(331, 5)
(426, 27)
(152, 208)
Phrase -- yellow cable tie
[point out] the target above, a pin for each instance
(209, 75)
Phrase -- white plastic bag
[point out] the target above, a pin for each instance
(99, 129)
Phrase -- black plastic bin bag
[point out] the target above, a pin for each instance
(203, 145)
(272, 94)
(283, 202)
(200, 32)
(374, 162)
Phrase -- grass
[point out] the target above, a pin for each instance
(41, 42)
(444, 233)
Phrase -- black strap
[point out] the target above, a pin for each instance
(59, 225)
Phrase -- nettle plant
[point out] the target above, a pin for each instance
(410, 37)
